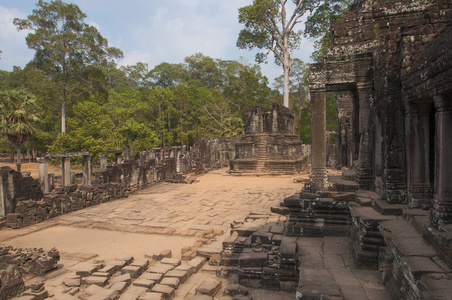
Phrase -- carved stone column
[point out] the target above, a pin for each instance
(418, 153)
(66, 170)
(319, 179)
(441, 212)
(43, 174)
(364, 172)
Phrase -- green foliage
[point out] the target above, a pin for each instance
(319, 24)
(67, 49)
(18, 115)
(233, 127)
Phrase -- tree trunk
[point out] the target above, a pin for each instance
(286, 82)
(18, 164)
(63, 109)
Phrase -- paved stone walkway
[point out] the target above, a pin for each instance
(174, 216)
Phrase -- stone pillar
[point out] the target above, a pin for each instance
(418, 152)
(441, 212)
(274, 120)
(43, 174)
(103, 161)
(118, 158)
(364, 172)
(86, 160)
(319, 179)
(66, 170)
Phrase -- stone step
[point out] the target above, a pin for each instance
(414, 262)
(339, 184)
(349, 175)
(386, 208)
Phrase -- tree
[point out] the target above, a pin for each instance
(65, 45)
(269, 26)
(318, 25)
(233, 127)
(17, 117)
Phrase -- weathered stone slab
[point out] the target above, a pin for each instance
(144, 283)
(419, 265)
(197, 263)
(156, 277)
(151, 296)
(121, 278)
(171, 281)
(110, 269)
(120, 287)
(134, 271)
(100, 281)
(143, 263)
(171, 261)
(160, 268)
(209, 287)
(165, 290)
(181, 275)
(86, 269)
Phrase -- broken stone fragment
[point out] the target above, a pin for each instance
(209, 287)
(234, 290)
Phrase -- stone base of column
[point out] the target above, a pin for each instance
(364, 177)
(319, 179)
(441, 212)
(420, 195)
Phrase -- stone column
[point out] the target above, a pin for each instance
(441, 212)
(86, 160)
(274, 121)
(103, 161)
(118, 158)
(66, 170)
(43, 174)
(418, 152)
(319, 179)
(364, 172)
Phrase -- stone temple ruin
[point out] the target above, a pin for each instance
(269, 145)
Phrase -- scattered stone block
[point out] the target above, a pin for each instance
(156, 277)
(101, 274)
(171, 281)
(122, 278)
(134, 271)
(171, 261)
(110, 269)
(151, 296)
(100, 281)
(345, 197)
(209, 287)
(186, 268)
(146, 283)
(181, 275)
(72, 281)
(86, 269)
(215, 259)
(128, 296)
(197, 263)
(120, 287)
(118, 264)
(167, 253)
(128, 259)
(143, 263)
(160, 268)
(165, 290)
(136, 290)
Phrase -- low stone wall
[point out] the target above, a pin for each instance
(113, 183)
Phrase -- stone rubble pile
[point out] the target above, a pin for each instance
(30, 260)
(261, 255)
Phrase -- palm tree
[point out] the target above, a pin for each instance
(17, 117)
(232, 127)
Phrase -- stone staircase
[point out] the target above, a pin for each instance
(262, 154)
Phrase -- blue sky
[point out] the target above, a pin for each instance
(149, 31)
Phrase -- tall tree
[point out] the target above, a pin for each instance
(65, 45)
(270, 26)
(17, 117)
